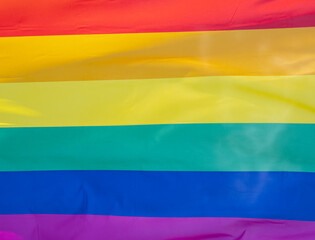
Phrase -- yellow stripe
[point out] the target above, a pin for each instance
(157, 55)
(154, 101)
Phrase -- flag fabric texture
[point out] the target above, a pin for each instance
(157, 120)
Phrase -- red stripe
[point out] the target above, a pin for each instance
(65, 17)
(86, 227)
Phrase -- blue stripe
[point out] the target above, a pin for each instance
(272, 195)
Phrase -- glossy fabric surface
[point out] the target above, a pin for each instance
(160, 120)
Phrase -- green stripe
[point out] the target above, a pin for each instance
(174, 147)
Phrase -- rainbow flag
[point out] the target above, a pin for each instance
(157, 119)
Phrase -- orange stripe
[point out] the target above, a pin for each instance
(157, 55)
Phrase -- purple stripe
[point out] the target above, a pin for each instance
(85, 227)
